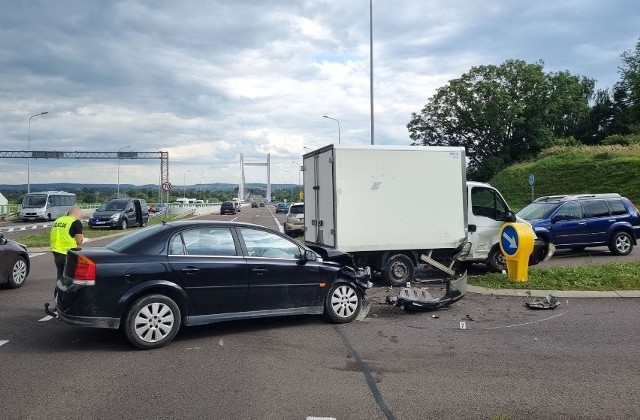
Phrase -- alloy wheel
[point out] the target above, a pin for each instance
(154, 322)
(623, 243)
(19, 273)
(344, 301)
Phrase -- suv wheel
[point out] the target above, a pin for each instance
(398, 270)
(152, 322)
(621, 243)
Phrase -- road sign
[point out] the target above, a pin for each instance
(509, 240)
(532, 179)
(166, 186)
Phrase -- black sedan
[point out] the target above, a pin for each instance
(14, 262)
(154, 280)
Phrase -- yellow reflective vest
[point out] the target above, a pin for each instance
(60, 240)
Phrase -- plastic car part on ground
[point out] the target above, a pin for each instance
(547, 302)
(411, 298)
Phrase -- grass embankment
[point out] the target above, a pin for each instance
(614, 276)
(574, 170)
(41, 239)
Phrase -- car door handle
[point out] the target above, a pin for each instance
(190, 270)
(582, 223)
(612, 220)
(260, 271)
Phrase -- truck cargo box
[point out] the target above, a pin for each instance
(375, 198)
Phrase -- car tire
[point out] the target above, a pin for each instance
(496, 260)
(49, 217)
(621, 243)
(19, 272)
(398, 270)
(343, 303)
(123, 224)
(152, 322)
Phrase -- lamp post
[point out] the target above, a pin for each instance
(371, 65)
(29, 147)
(290, 185)
(336, 120)
(120, 150)
(184, 184)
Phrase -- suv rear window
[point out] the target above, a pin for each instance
(595, 208)
(617, 207)
(297, 209)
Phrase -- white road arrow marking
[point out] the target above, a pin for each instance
(3, 342)
(511, 240)
(46, 318)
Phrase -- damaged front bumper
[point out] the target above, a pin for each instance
(421, 299)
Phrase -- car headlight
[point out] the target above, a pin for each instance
(115, 216)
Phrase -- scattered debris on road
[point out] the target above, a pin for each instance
(548, 302)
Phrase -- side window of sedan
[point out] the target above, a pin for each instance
(268, 245)
(215, 242)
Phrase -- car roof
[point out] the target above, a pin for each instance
(221, 223)
(563, 198)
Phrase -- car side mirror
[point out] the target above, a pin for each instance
(557, 218)
(510, 217)
(309, 256)
(3, 240)
(129, 210)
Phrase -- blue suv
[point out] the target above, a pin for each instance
(580, 221)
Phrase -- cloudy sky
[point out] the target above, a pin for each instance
(208, 80)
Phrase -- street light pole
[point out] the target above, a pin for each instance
(371, 65)
(184, 184)
(290, 186)
(120, 150)
(29, 147)
(336, 120)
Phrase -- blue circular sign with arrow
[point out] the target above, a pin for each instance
(509, 240)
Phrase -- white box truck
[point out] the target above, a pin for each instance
(392, 208)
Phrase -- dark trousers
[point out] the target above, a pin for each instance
(60, 260)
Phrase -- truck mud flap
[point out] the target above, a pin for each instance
(411, 298)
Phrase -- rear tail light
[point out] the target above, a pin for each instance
(85, 272)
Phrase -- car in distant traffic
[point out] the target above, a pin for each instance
(254, 205)
(14, 262)
(294, 223)
(581, 221)
(120, 213)
(228, 208)
(154, 280)
(261, 204)
(282, 208)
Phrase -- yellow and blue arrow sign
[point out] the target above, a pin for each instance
(516, 243)
(509, 240)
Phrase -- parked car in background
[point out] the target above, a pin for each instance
(154, 280)
(120, 213)
(254, 205)
(581, 221)
(14, 262)
(294, 223)
(227, 208)
(46, 205)
(282, 208)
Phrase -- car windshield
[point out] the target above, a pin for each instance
(124, 242)
(537, 211)
(34, 201)
(116, 205)
(297, 209)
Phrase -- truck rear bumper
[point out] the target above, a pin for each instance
(414, 298)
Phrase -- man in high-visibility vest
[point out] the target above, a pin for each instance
(66, 233)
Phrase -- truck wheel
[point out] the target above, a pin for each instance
(496, 260)
(343, 303)
(152, 322)
(621, 243)
(398, 270)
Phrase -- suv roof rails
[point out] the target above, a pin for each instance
(608, 195)
(575, 196)
(550, 198)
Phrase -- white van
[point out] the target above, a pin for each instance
(46, 205)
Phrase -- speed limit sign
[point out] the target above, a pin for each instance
(166, 186)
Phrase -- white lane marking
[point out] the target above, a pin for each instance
(34, 227)
(23, 228)
(3, 342)
(320, 418)
(11, 229)
(36, 254)
(46, 318)
(280, 228)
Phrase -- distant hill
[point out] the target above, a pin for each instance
(574, 170)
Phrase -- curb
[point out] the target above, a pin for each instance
(558, 293)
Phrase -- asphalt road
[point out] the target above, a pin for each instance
(577, 362)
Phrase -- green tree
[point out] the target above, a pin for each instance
(503, 114)
(626, 94)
